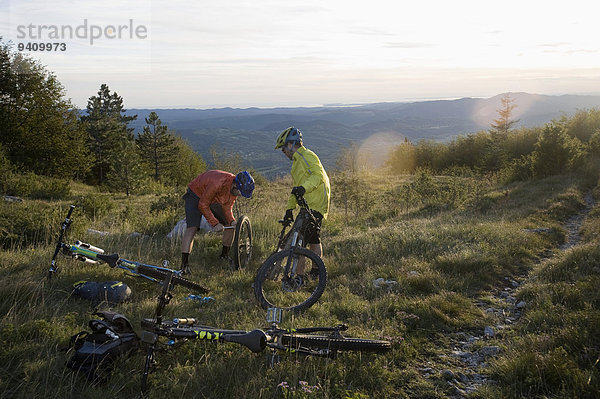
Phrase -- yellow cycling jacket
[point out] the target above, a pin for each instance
(308, 172)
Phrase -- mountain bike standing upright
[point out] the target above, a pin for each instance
(276, 284)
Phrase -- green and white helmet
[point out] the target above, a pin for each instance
(289, 135)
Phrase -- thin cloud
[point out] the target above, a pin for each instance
(407, 45)
(557, 44)
(365, 31)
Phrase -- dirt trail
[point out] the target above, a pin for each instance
(573, 225)
(469, 352)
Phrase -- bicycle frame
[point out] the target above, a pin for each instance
(131, 266)
(257, 340)
(91, 254)
(293, 237)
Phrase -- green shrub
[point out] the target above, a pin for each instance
(95, 205)
(5, 170)
(30, 185)
(19, 185)
(555, 152)
(168, 202)
(52, 189)
(28, 223)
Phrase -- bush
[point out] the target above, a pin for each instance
(168, 202)
(33, 186)
(27, 223)
(555, 152)
(97, 205)
(52, 188)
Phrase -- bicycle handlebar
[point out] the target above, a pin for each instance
(301, 201)
(304, 205)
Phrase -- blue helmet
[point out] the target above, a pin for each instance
(245, 183)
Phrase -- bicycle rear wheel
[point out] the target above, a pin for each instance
(274, 290)
(242, 243)
(178, 280)
(308, 341)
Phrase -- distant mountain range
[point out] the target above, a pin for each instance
(375, 127)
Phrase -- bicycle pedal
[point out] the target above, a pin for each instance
(273, 359)
(274, 315)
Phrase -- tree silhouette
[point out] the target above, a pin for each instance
(106, 125)
(156, 146)
(39, 129)
(503, 124)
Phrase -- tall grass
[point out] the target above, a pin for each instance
(440, 257)
(556, 353)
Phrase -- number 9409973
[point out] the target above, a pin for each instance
(34, 46)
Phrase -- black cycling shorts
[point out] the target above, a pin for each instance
(193, 215)
(312, 230)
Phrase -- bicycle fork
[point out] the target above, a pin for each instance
(150, 362)
(292, 261)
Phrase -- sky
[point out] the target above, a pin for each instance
(268, 53)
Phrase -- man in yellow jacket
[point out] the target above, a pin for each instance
(311, 181)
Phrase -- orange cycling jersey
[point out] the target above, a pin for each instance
(214, 186)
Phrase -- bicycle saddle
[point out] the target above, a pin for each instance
(110, 259)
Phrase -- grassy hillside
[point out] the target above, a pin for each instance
(463, 254)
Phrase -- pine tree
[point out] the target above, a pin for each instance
(106, 125)
(157, 146)
(554, 151)
(495, 155)
(503, 124)
(125, 171)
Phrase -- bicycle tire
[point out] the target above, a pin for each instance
(242, 243)
(269, 287)
(178, 280)
(296, 341)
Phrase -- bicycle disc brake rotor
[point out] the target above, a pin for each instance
(290, 285)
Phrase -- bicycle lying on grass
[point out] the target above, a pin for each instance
(91, 254)
(297, 340)
(276, 284)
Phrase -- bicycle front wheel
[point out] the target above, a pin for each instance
(242, 243)
(316, 342)
(273, 289)
(175, 279)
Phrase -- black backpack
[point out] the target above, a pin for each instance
(110, 291)
(95, 351)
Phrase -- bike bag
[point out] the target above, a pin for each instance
(111, 337)
(110, 291)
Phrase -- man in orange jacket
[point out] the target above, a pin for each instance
(213, 194)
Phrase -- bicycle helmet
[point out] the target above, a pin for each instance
(289, 135)
(245, 183)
